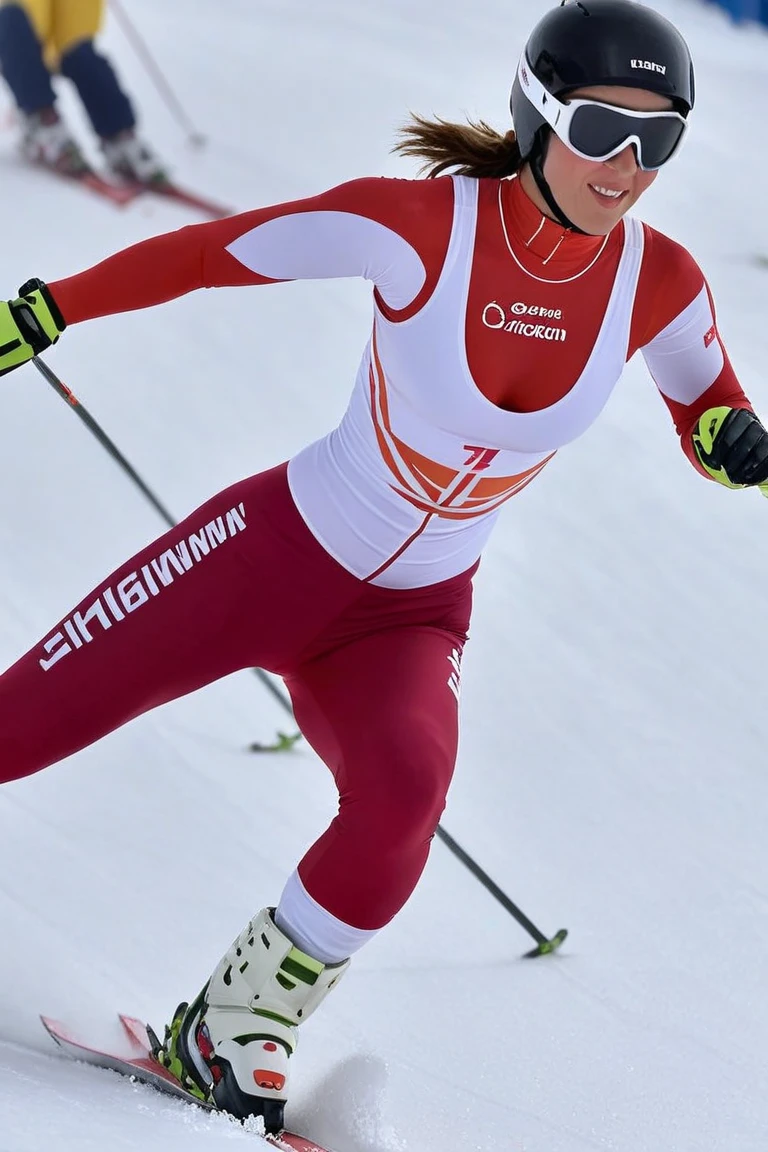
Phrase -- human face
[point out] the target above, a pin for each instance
(582, 187)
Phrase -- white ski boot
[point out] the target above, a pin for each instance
(47, 140)
(232, 1045)
(131, 159)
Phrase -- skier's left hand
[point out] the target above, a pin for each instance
(732, 446)
(28, 325)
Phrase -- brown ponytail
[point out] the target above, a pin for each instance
(471, 149)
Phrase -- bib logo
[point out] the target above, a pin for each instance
(511, 320)
(479, 458)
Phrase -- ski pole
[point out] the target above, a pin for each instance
(283, 741)
(544, 944)
(169, 96)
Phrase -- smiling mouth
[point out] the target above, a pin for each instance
(608, 197)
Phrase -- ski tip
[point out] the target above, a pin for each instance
(130, 1021)
(55, 1029)
(136, 1029)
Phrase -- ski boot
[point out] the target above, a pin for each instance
(232, 1045)
(47, 140)
(130, 158)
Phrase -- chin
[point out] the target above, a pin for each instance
(597, 227)
(601, 221)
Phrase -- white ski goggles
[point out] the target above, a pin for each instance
(597, 131)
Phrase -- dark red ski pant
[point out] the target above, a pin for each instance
(372, 673)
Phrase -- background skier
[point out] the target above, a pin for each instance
(42, 38)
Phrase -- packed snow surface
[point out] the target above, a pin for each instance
(612, 775)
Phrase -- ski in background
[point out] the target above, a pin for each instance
(126, 192)
(169, 190)
(118, 194)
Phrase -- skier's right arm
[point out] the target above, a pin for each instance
(391, 232)
(28, 325)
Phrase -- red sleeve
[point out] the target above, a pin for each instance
(674, 324)
(392, 232)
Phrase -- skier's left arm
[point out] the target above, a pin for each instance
(719, 432)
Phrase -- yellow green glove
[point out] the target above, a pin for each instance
(28, 325)
(732, 447)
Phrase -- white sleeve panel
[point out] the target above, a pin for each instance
(686, 357)
(324, 245)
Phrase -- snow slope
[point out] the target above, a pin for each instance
(612, 774)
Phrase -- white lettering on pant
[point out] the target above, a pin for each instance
(454, 680)
(135, 589)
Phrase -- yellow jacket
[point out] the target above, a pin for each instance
(61, 24)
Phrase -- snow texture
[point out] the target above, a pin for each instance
(612, 774)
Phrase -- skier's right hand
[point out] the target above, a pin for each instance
(28, 325)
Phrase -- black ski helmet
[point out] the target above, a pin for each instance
(587, 42)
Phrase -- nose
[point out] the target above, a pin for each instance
(624, 163)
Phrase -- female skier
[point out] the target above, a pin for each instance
(507, 298)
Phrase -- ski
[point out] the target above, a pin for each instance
(172, 191)
(118, 194)
(137, 1063)
(127, 191)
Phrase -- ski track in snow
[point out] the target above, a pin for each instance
(612, 774)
